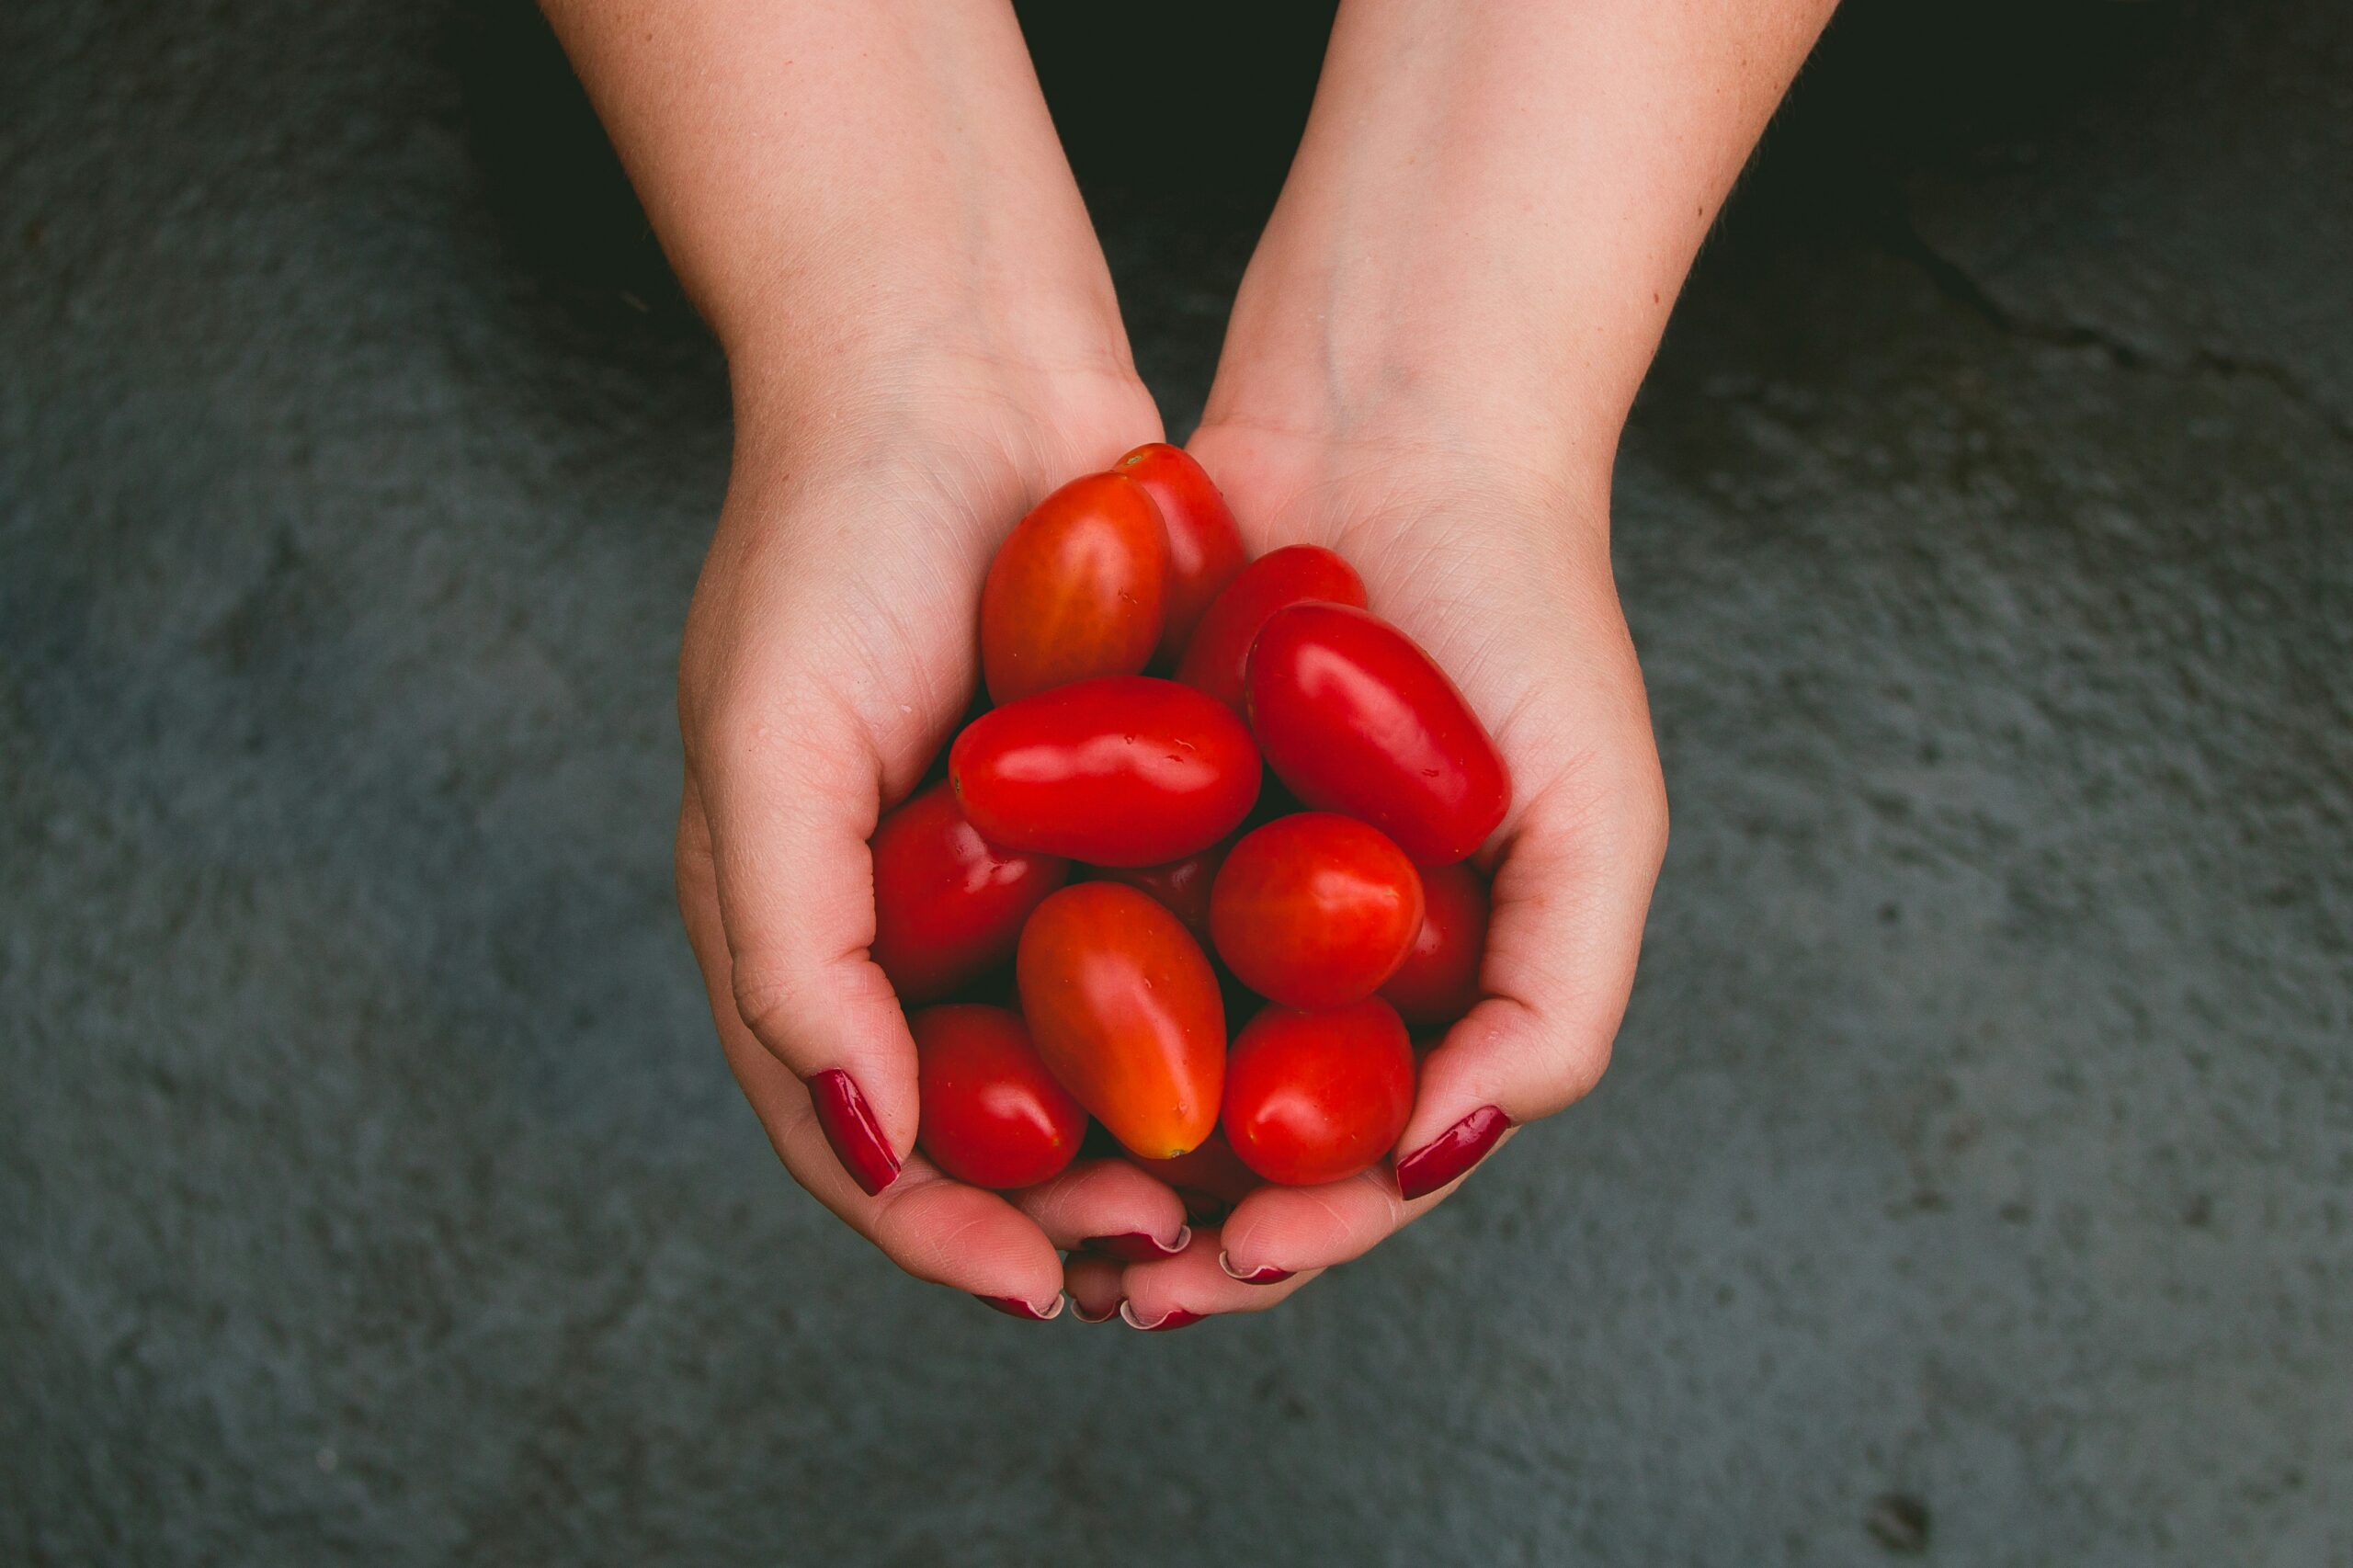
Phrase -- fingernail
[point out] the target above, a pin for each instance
(1175, 1319)
(1015, 1307)
(1136, 1247)
(1267, 1275)
(1451, 1152)
(1108, 1313)
(851, 1129)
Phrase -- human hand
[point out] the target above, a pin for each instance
(1430, 363)
(829, 656)
(1501, 569)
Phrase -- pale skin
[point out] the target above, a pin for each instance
(1428, 368)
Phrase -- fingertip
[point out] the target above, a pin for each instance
(1093, 1284)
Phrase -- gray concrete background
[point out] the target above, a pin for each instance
(1981, 1135)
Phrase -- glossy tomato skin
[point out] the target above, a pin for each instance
(1079, 589)
(1126, 1013)
(1210, 1179)
(1439, 981)
(1355, 718)
(1204, 547)
(991, 1114)
(1311, 1097)
(949, 905)
(1124, 770)
(1316, 910)
(1181, 886)
(1298, 574)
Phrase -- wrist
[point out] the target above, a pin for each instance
(1318, 351)
(1031, 413)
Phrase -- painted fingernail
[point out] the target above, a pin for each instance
(1177, 1318)
(1136, 1247)
(1451, 1152)
(1267, 1275)
(851, 1129)
(1082, 1315)
(1015, 1307)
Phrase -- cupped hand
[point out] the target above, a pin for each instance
(1501, 570)
(828, 656)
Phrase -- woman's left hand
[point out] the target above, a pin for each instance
(1502, 572)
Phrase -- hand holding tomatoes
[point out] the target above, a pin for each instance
(1104, 828)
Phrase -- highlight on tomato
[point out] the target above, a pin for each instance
(1318, 1097)
(990, 1113)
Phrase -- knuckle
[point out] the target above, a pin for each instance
(772, 998)
(1652, 817)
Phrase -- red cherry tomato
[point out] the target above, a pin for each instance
(1439, 981)
(990, 1113)
(1181, 886)
(1125, 770)
(1126, 1012)
(1076, 590)
(1204, 547)
(1316, 910)
(1210, 1179)
(1355, 718)
(1311, 1097)
(948, 904)
(1297, 574)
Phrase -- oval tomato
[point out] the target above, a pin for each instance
(1439, 981)
(990, 1113)
(1126, 1013)
(1316, 910)
(1311, 1097)
(948, 905)
(1355, 718)
(1076, 590)
(1126, 770)
(1204, 547)
(1182, 887)
(1297, 574)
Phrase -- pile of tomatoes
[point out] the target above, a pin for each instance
(1113, 836)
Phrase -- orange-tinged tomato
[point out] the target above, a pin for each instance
(1125, 1010)
(1204, 547)
(1079, 589)
(1210, 1179)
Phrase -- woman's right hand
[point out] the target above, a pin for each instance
(829, 656)
(869, 206)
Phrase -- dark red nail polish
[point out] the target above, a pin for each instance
(1451, 1152)
(1080, 1312)
(1265, 1275)
(1178, 1318)
(851, 1129)
(1135, 1246)
(1015, 1307)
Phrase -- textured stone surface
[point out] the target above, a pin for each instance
(1974, 1176)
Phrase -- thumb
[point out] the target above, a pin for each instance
(790, 794)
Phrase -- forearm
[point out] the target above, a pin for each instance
(1493, 209)
(839, 184)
